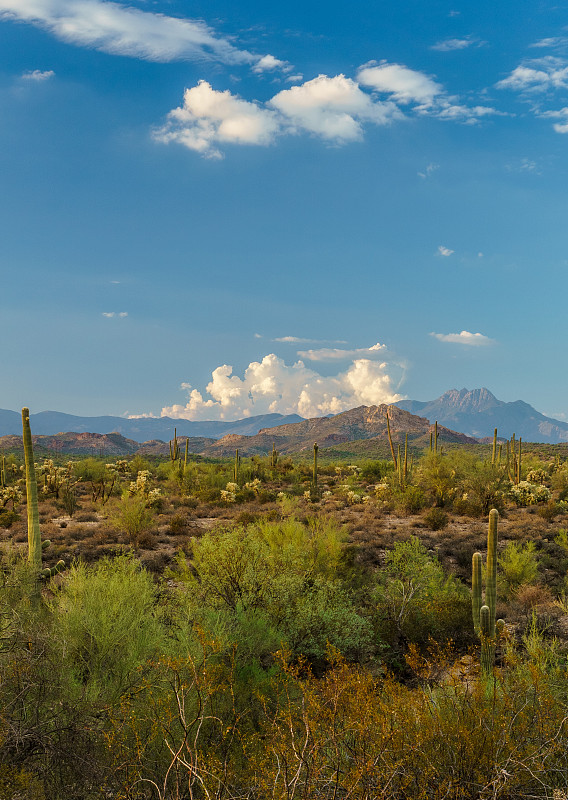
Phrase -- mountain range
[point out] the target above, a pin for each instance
(361, 430)
(48, 423)
(478, 412)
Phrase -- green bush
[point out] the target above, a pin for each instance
(436, 519)
(106, 625)
(518, 565)
(132, 516)
(414, 600)
(280, 575)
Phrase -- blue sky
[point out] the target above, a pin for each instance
(214, 210)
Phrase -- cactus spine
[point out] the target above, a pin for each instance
(494, 455)
(236, 467)
(35, 545)
(484, 613)
(436, 436)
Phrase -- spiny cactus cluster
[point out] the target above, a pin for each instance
(484, 612)
(35, 545)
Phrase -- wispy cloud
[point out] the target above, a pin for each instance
(430, 169)
(110, 314)
(302, 340)
(445, 251)
(447, 45)
(126, 31)
(562, 115)
(38, 75)
(465, 337)
(340, 354)
(402, 84)
(271, 385)
(537, 75)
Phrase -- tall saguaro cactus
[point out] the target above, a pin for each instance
(484, 612)
(315, 469)
(35, 545)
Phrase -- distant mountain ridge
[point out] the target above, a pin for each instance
(366, 424)
(477, 412)
(362, 423)
(48, 423)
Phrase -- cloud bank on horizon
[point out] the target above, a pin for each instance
(272, 386)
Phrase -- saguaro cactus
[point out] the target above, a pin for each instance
(237, 465)
(484, 613)
(315, 470)
(35, 545)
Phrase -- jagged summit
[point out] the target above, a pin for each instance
(477, 412)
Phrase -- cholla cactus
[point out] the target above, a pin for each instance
(255, 485)
(141, 488)
(540, 476)
(229, 495)
(529, 494)
(10, 494)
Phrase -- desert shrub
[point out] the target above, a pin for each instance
(106, 625)
(439, 477)
(549, 511)
(414, 600)
(281, 576)
(374, 471)
(411, 499)
(485, 486)
(8, 517)
(132, 516)
(178, 524)
(436, 519)
(518, 565)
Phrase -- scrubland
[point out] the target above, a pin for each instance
(254, 629)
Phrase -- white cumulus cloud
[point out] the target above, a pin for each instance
(122, 30)
(271, 385)
(445, 251)
(110, 314)
(209, 117)
(270, 63)
(332, 108)
(465, 337)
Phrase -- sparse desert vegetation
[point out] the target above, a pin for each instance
(284, 627)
